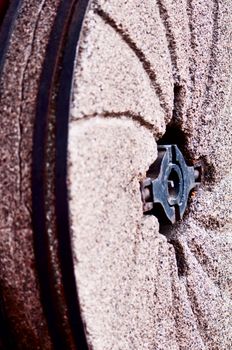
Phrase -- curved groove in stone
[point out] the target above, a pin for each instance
(169, 35)
(192, 38)
(68, 11)
(213, 58)
(195, 315)
(139, 54)
(190, 295)
(207, 303)
(118, 115)
(186, 322)
(200, 264)
(120, 82)
(22, 97)
(113, 243)
(202, 257)
(193, 71)
(77, 15)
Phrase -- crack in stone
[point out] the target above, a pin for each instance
(192, 66)
(213, 49)
(170, 38)
(182, 267)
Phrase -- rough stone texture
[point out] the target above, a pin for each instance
(19, 85)
(109, 236)
(104, 90)
(140, 65)
(174, 290)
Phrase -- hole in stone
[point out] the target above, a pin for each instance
(174, 135)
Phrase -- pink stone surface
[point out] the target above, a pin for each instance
(140, 66)
(174, 290)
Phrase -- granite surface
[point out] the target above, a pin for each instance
(19, 84)
(140, 67)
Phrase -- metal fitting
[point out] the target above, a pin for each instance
(166, 190)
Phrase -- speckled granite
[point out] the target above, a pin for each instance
(138, 288)
(19, 85)
(140, 66)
